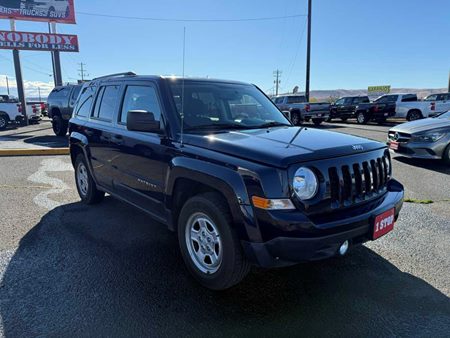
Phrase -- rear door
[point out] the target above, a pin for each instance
(140, 160)
(100, 130)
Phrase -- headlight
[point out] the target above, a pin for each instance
(432, 137)
(305, 183)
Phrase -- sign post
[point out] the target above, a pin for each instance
(19, 79)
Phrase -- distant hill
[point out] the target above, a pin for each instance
(321, 95)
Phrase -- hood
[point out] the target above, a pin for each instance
(422, 125)
(283, 146)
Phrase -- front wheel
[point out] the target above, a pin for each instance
(59, 126)
(3, 122)
(86, 186)
(446, 155)
(208, 243)
(361, 117)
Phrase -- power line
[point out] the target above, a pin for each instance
(191, 20)
(83, 73)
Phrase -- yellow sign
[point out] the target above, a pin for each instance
(379, 89)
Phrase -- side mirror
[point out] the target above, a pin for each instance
(141, 120)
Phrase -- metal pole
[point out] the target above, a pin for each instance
(19, 79)
(7, 84)
(276, 85)
(449, 82)
(57, 61)
(39, 91)
(308, 51)
(53, 59)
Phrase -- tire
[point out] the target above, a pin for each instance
(361, 117)
(218, 266)
(317, 122)
(86, 187)
(296, 119)
(59, 126)
(446, 155)
(3, 121)
(414, 115)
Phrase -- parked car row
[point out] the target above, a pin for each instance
(405, 106)
(11, 111)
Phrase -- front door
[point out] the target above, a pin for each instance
(141, 158)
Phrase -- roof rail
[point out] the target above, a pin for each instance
(115, 75)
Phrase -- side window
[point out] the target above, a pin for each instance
(106, 103)
(85, 101)
(75, 93)
(339, 102)
(348, 101)
(409, 98)
(140, 98)
(431, 97)
(279, 100)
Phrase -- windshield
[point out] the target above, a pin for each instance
(210, 105)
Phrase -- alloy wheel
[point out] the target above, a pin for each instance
(82, 179)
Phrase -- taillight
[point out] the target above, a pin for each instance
(375, 108)
(42, 106)
(433, 106)
(308, 108)
(19, 108)
(34, 109)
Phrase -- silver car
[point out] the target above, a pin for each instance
(428, 138)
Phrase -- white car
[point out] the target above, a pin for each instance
(430, 106)
(11, 111)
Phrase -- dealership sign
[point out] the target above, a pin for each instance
(62, 11)
(379, 90)
(38, 41)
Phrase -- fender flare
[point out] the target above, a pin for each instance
(224, 179)
(80, 141)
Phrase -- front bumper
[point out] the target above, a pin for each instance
(423, 150)
(320, 241)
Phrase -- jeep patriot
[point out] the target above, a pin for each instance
(217, 163)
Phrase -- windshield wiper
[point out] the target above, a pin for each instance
(218, 126)
(273, 124)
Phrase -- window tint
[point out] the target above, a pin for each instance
(387, 99)
(296, 99)
(75, 92)
(431, 97)
(363, 99)
(140, 98)
(339, 102)
(279, 100)
(105, 105)
(409, 98)
(85, 102)
(348, 100)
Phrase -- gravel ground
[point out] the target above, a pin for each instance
(108, 270)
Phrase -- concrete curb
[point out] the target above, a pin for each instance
(34, 152)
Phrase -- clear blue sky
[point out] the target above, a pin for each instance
(356, 43)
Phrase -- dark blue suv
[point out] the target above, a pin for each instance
(221, 166)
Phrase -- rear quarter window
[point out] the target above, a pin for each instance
(85, 101)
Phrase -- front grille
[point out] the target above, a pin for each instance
(399, 137)
(350, 184)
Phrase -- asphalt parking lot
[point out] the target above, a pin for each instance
(108, 270)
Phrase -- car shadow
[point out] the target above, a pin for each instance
(435, 165)
(51, 141)
(108, 270)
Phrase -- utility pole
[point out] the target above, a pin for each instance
(308, 51)
(277, 74)
(57, 74)
(39, 91)
(7, 84)
(83, 73)
(449, 81)
(19, 79)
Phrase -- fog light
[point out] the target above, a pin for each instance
(343, 248)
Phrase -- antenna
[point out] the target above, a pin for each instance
(182, 87)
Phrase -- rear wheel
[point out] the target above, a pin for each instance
(317, 122)
(208, 243)
(414, 115)
(295, 118)
(361, 117)
(59, 126)
(86, 186)
(3, 121)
